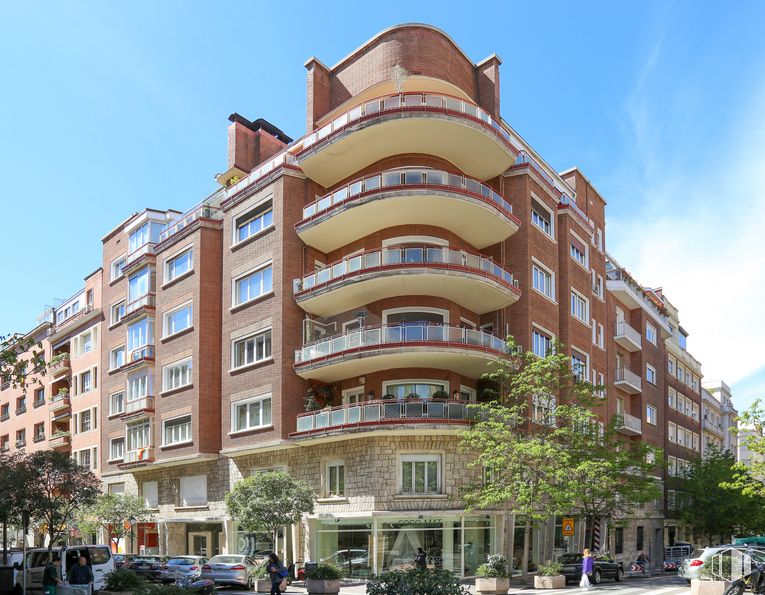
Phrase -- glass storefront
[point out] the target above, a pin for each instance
(449, 542)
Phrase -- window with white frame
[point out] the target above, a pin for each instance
(650, 333)
(116, 267)
(672, 432)
(138, 436)
(177, 320)
(599, 233)
(176, 431)
(150, 493)
(578, 251)
(179, 265)
(253, 285)
(541, 343)
(116, 489)
(579, 365)
(117, 403)
(543, 281)
(251, 413)
(85, 421)
(672, 398)
(672, 466)
(580, 307)
(650, 374)
(251, 350)
(86, 382)
(543, 409)
(137, 386)
(420, 474)
(671, 365)
(194, 490)
(176, 375)
(138, 284)
(117, 312)
(85, 342)
(116, 449)
(138, 237)
(117, 357)
(467, 393)
(336, 478)
(82, 458)
(414, 389)
(254, 222)
(542, 218)
(139, 335)
(650, 414)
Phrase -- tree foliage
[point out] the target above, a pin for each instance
(268, 501)
(20, 361)
(416, 582)
(749, 476)
(113, 514)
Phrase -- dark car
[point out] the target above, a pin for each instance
(121, 559)
(603, 566)
(148, 566)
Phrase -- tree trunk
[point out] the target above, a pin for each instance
(525, 556)
(5, 542)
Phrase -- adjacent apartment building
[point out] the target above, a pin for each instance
(330, 311)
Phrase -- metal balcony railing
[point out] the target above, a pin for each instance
(189, 217)
(146, 249)
(627, 375)
(622, 329)
(629, 422)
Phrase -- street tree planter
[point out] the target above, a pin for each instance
(550, 582)
(262, 585)
(316, 586)
(701, 587)
(492, 585)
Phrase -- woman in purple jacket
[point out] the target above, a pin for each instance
(586, 569)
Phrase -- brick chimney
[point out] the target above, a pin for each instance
(252, 143)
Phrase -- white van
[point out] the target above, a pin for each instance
(98, 556)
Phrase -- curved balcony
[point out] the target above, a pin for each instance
(429, 123)
(375, 415)
(424, 196)
(473, 281)
(384, 347)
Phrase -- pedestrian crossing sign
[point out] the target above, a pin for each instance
(568, 527)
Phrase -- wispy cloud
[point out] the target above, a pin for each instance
(699, 226)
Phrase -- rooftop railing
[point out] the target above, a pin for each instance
(578, 213)
(284, 158)
(189, 217)
(405, 257)
(420, 178)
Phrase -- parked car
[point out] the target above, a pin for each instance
(147, 566)
(98, 556)
(231, 570)
(121, 559)
(603, 566)
(178, 567)
(691, 566)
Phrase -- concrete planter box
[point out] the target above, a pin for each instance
(322, 587)
(699, 587)
(550, 582)
(262, 585)
(492, 585)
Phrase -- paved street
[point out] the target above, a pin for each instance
(658, 585)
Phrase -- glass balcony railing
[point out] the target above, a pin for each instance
(147, 248)
(145, 352)
(284, 158)
(628, 423)
(403, 258)
(142, 404)
(380, 336)
(148, 300)
(412, 178)
(378, 413)
(189, 217)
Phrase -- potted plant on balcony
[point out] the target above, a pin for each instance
(440, 394)
(323, 579)
(549, 576)
(492, 576)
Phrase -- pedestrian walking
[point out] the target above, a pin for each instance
(81, 573)
(586, 570)
(421, 560)
(278, 574)
(51, 576)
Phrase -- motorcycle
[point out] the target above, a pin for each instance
(194, 582)
(754, 581)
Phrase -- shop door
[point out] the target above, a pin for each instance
(199, 544)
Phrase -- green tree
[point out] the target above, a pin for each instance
(15, 490)
(267, 501)
(115, 514)
(60, 488)
(749, 476)
(21, 360)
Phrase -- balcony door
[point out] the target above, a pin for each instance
(619, 406)
(353, 396)
(415, 324)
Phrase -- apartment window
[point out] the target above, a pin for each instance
(177, 431)
(599, 233)
(543, 409)
(335, 478)
(679, 372)
(138, 436)
(21, 437)
(251, 414)
(420, 474)
(650, 414)
(39, 397)
(580, 307)
(252, 349)
(82, 457)
(150, 493)
(253, 285)
(579, 366)
(85, 424)
(5, 411)
(137, 386)
(39, 432)
(650, 333)
(176, 375)
(194, 490)
(116, 489)
(578, 251)
(177, 320)
(671, 365)
(542, 218)
(138, 237)
(639, 538)
(672, 398)
(179, 265)
(21, 405)
(650, 374)
(467, 393)
(541, 344)
(414, 390)
(138, 284)
(254, 222)
(672, 466)
(87, 383)
(85, 342)
(117, 357)
(117, 403)
(118, 312)
(672, 432)
(117, 266)
(542, 281)
(618, 540)
(116, 449)
(139, 335)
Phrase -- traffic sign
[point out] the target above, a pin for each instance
(568, 527)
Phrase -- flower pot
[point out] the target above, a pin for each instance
(262, 585)
(492, 585)
(550, 582)
(701, 587)
(316, 586)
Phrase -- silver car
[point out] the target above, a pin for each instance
(179, 566)
(229, 569)
(692, 565)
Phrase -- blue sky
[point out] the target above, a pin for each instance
(106, 108)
